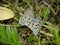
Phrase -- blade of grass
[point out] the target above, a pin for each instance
(8, 31)
(45, 13)
(3, 35)
(55, 31)
(15, 38)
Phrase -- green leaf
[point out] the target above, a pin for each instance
(45, 13)
(57, 37)
(3, 35)
(44, 41)
(36, 39)
(15, 38)
(8, 31)
(31, 37)
(27, 1)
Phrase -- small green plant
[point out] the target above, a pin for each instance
(55, 31)
(9, 35)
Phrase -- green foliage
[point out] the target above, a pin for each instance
(27, 1)
(9, 35)
(8, 31)
(31, 38)
(3, 35)
(36, 39)
(55, 31)
(45, 13)
(15, 36)
(44, 41)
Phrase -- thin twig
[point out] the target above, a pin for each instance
(10, 25)
(47, 34)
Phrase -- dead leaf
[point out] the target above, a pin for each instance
(6, 13)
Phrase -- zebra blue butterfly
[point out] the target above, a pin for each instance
(31, 21)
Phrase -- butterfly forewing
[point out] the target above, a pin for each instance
(30, 21)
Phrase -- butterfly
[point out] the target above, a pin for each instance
(31, 21)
